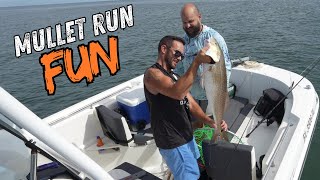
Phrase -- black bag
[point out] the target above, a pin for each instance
(271, 97)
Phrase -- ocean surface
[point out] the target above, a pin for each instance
(283, 33)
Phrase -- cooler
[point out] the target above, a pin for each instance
(134, 104)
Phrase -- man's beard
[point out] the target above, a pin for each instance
(168, 62)
(195, 31)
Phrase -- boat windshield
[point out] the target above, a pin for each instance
(16, 156)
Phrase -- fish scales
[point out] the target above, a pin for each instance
(215, 84)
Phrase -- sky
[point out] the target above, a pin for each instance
(8, 3)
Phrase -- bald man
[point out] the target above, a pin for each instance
(196, 34)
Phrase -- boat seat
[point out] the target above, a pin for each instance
(126, 169)
(230, 161)
(115, 126)
(236, 112)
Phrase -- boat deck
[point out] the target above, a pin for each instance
(241, 120)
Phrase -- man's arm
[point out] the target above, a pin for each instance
(156, 82)
(198, 113)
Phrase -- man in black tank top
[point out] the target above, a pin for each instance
(171, 104)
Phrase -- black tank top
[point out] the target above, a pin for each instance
(170, 119)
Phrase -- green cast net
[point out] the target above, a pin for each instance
(206, 133)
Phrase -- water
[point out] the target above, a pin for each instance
(282, 33)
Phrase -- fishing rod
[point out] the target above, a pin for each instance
(312, 65)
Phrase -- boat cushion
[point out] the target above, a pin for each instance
(132, 170)
(112, 125)
(224, 160)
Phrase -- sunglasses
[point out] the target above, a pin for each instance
(178, 54)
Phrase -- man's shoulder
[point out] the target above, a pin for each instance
(210, 32)
(185, 37)
(152, 78)
(152, 70)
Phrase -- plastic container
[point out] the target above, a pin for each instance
(134, 104)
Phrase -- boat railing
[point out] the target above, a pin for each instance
(24, 118)
(88, 106)
(271, 162)
(93, 101)
(238, 61)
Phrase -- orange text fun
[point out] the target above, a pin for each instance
(88, 67)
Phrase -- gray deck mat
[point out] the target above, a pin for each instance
(236, 112)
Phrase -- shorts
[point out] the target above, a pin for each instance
(182, 161)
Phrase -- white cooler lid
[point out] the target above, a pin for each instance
(132, 98)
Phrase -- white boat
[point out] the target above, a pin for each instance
(70, 136)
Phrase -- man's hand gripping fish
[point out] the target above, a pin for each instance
(215, 83)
